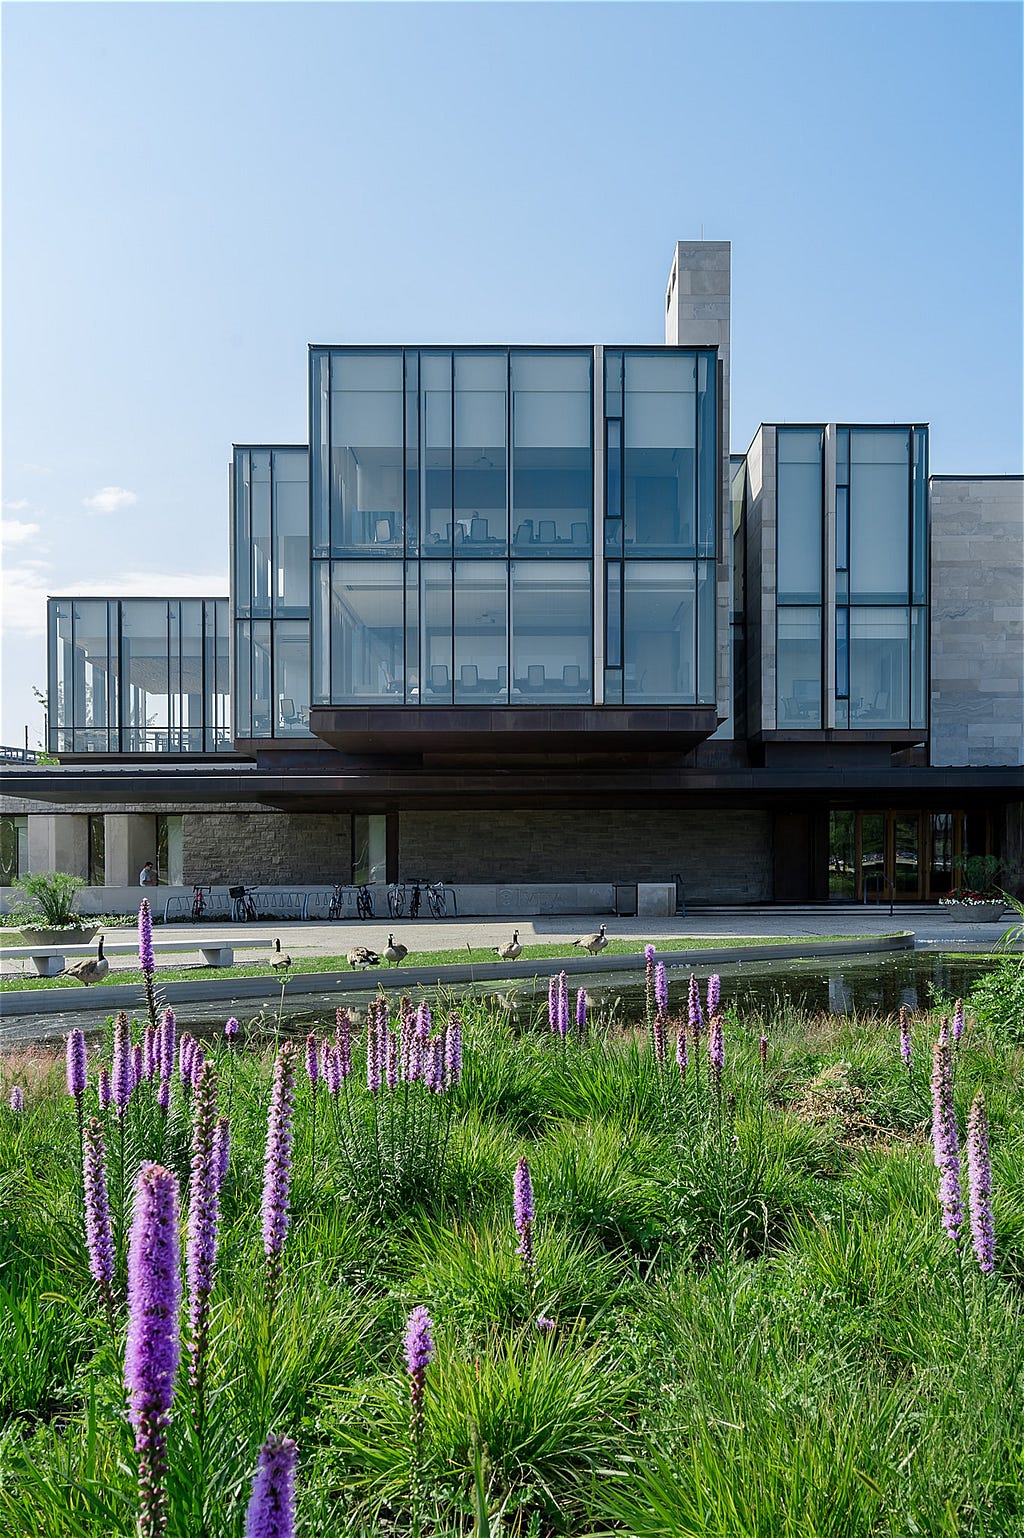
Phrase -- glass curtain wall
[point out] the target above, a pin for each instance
(271, 571)
(661, 495)
(453, 532)
(139, 675)
(881, 577)
(799, 569)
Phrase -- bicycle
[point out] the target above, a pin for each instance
(415, 900)
(336, 910)
(437, 899)
(243, 909)
(364, 902)
(396, 899)
(199, 902)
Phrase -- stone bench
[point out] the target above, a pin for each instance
(50, 960)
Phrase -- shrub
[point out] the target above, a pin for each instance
(997, 999)
(54, 894)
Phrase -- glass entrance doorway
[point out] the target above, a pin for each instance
(908, 856)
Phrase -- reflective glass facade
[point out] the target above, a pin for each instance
(881, 545)
(799, 567)
(270, 591)
(138, 675)
(453, 517)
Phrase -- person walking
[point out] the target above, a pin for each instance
(148, 876)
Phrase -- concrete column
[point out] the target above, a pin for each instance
(129, 841)
(59, 841)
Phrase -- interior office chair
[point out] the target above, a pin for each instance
(571, 675)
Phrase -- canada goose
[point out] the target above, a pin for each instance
(394, 954)
(280, 961)
(92, 970)
(511, 949)
(362, 956)
(593, 943)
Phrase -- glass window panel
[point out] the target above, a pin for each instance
(706, 632)
(879, 533)
(659, 431)
(262, 684)
(320, 439)
(799, 514)
(613, 615)
(260, 549)
(145, 694)
(97, 851)
(843, 653)
(798, 668)
(843, 456)
(879, 667)
(613, 686)
(842, 855)
(659, 642)
(940, 854)
(217, 679)
(552, 639)
(613, 384)
(321, 632)
(481, 633)
(367, 632)
(436, 633)
(707, 452)
(481, 459)
(187, 704)
(919, 667)
(552, 471)
(243, 680)
(412, 632)
(412, 452)
(91, 668)
(369, 842)
(291, 678)
(367, 450)
(242, 534)
(842, 528)
(291, 532)
(436, 455)
(613, 469)
(920, 517)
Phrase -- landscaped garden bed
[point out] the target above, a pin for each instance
(692, 1274)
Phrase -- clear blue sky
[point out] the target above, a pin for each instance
(193, 192)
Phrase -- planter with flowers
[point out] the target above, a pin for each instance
(977, 900)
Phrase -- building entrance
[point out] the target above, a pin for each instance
(909, 856)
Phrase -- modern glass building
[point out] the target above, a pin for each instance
(516, 614)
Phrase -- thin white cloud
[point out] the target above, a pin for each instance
(24, 589)
(20, 506)
(16, 531)
(109, 499)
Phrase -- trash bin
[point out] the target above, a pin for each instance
(625, 900)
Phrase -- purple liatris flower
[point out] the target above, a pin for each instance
(326, 1054)
(271, 1509)
(344, 1042)
(374, 1065)
(150, 1051)
(553, 1005)
(391, 1055)
(544, 1324)
(138, 1064)
(581, 1009)
(714, 994)
(186, 1053)
(661, 988)
(163, 1095)
(147, 961)
(277, 1166)
(563, 1004)
(649, 980)
(168, 1029)
(716, 1048)
(98, 1239)
(523, 1213)
(230, 1029)
(979, 1186)
(332, 1069)
(958, 1021)
(203, 1222)
(153, 1343)
(222, 1149)
(764, 1051)
(433, 1065)
(946, 1140)
(312, 1061)
(103, 1088)
(121, 1074)
(682, 1055)
(419, 1352)
(75, 1055)
(905, 1047)
(196, 1067)
(424, 1021)
(17, 1100)
(453, 1050)
(696, 1018)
